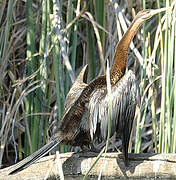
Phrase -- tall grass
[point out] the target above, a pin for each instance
(43, 49)
(159, 62)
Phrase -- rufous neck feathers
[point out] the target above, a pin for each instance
(121, 54)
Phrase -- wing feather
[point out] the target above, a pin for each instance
(124, 98)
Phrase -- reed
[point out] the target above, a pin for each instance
(158, 56)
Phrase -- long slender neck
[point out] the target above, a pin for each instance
(121, 54)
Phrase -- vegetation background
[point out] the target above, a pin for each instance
(43, 46)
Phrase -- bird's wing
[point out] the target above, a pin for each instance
(123, 106)
(77, 88)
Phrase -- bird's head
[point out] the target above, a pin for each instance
(147, 14)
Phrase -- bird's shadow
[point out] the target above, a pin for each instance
(134, 161)
(73, 163)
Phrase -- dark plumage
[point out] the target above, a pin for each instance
(86, 108)
(124, 100)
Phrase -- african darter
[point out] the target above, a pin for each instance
(86, 108)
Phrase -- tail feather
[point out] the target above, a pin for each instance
(35, 156)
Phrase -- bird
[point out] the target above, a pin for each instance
(85, 114)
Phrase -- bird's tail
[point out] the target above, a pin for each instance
(36, 155)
